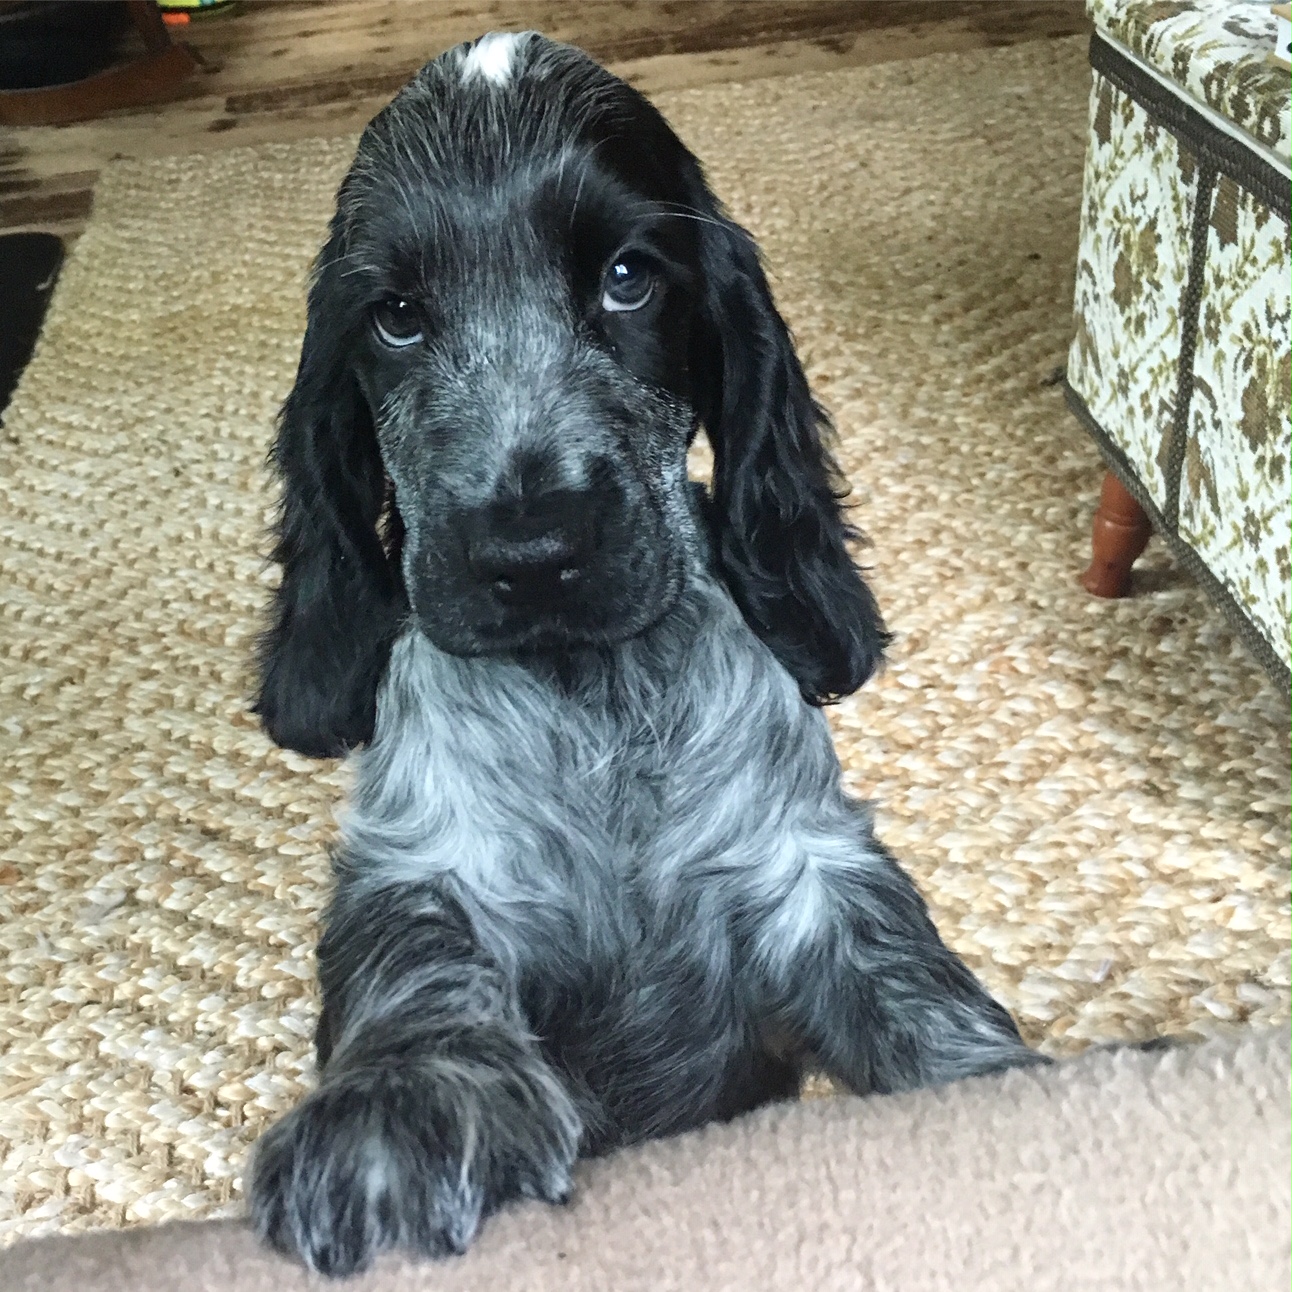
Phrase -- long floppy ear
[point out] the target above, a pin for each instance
(780, 531)
(341, 599)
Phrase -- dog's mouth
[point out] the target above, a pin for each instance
(555, 616)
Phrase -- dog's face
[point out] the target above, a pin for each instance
(523, 311)
(528, 303)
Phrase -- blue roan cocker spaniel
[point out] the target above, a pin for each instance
(598, 880)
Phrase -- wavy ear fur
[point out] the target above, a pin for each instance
(342, 598)
(779, 528)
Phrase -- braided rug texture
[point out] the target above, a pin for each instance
(1093, 795)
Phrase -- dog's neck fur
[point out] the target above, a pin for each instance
(546, 797)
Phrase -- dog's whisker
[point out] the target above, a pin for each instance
(680, 212)
(587, 161)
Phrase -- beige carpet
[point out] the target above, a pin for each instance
(1093, 796)
(1121, 1171)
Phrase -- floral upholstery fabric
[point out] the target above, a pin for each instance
(1215, 51)
(1235, 495)
(1136, 213)
(1180, 357)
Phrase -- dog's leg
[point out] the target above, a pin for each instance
(434, 1104)
(858, 975)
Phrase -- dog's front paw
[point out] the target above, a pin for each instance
(411, 1156)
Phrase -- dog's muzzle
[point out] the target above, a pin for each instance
(536, 553)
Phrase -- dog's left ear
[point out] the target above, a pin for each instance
(780, 531)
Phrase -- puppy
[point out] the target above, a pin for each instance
(599, 880)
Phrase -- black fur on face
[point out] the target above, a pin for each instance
(528, 303)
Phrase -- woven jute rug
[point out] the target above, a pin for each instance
(1093, 795)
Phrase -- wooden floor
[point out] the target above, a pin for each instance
(283, 69)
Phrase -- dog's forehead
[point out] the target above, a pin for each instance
(511, 103)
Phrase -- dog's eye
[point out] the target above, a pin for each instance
(397, 322)
(629, 283)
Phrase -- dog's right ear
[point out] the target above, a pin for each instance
(341, 599)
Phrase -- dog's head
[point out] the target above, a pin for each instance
(528, 303)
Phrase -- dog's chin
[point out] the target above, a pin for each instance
(552, 635)
(554, 631)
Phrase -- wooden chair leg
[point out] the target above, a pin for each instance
(1120, 533)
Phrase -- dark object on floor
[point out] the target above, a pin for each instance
(56, 61)
(55, 43)
(29, 265)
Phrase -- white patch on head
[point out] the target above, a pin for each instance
(490, 57)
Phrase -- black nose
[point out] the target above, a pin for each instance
(534, 550)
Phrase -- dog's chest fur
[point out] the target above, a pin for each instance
(593, 823)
